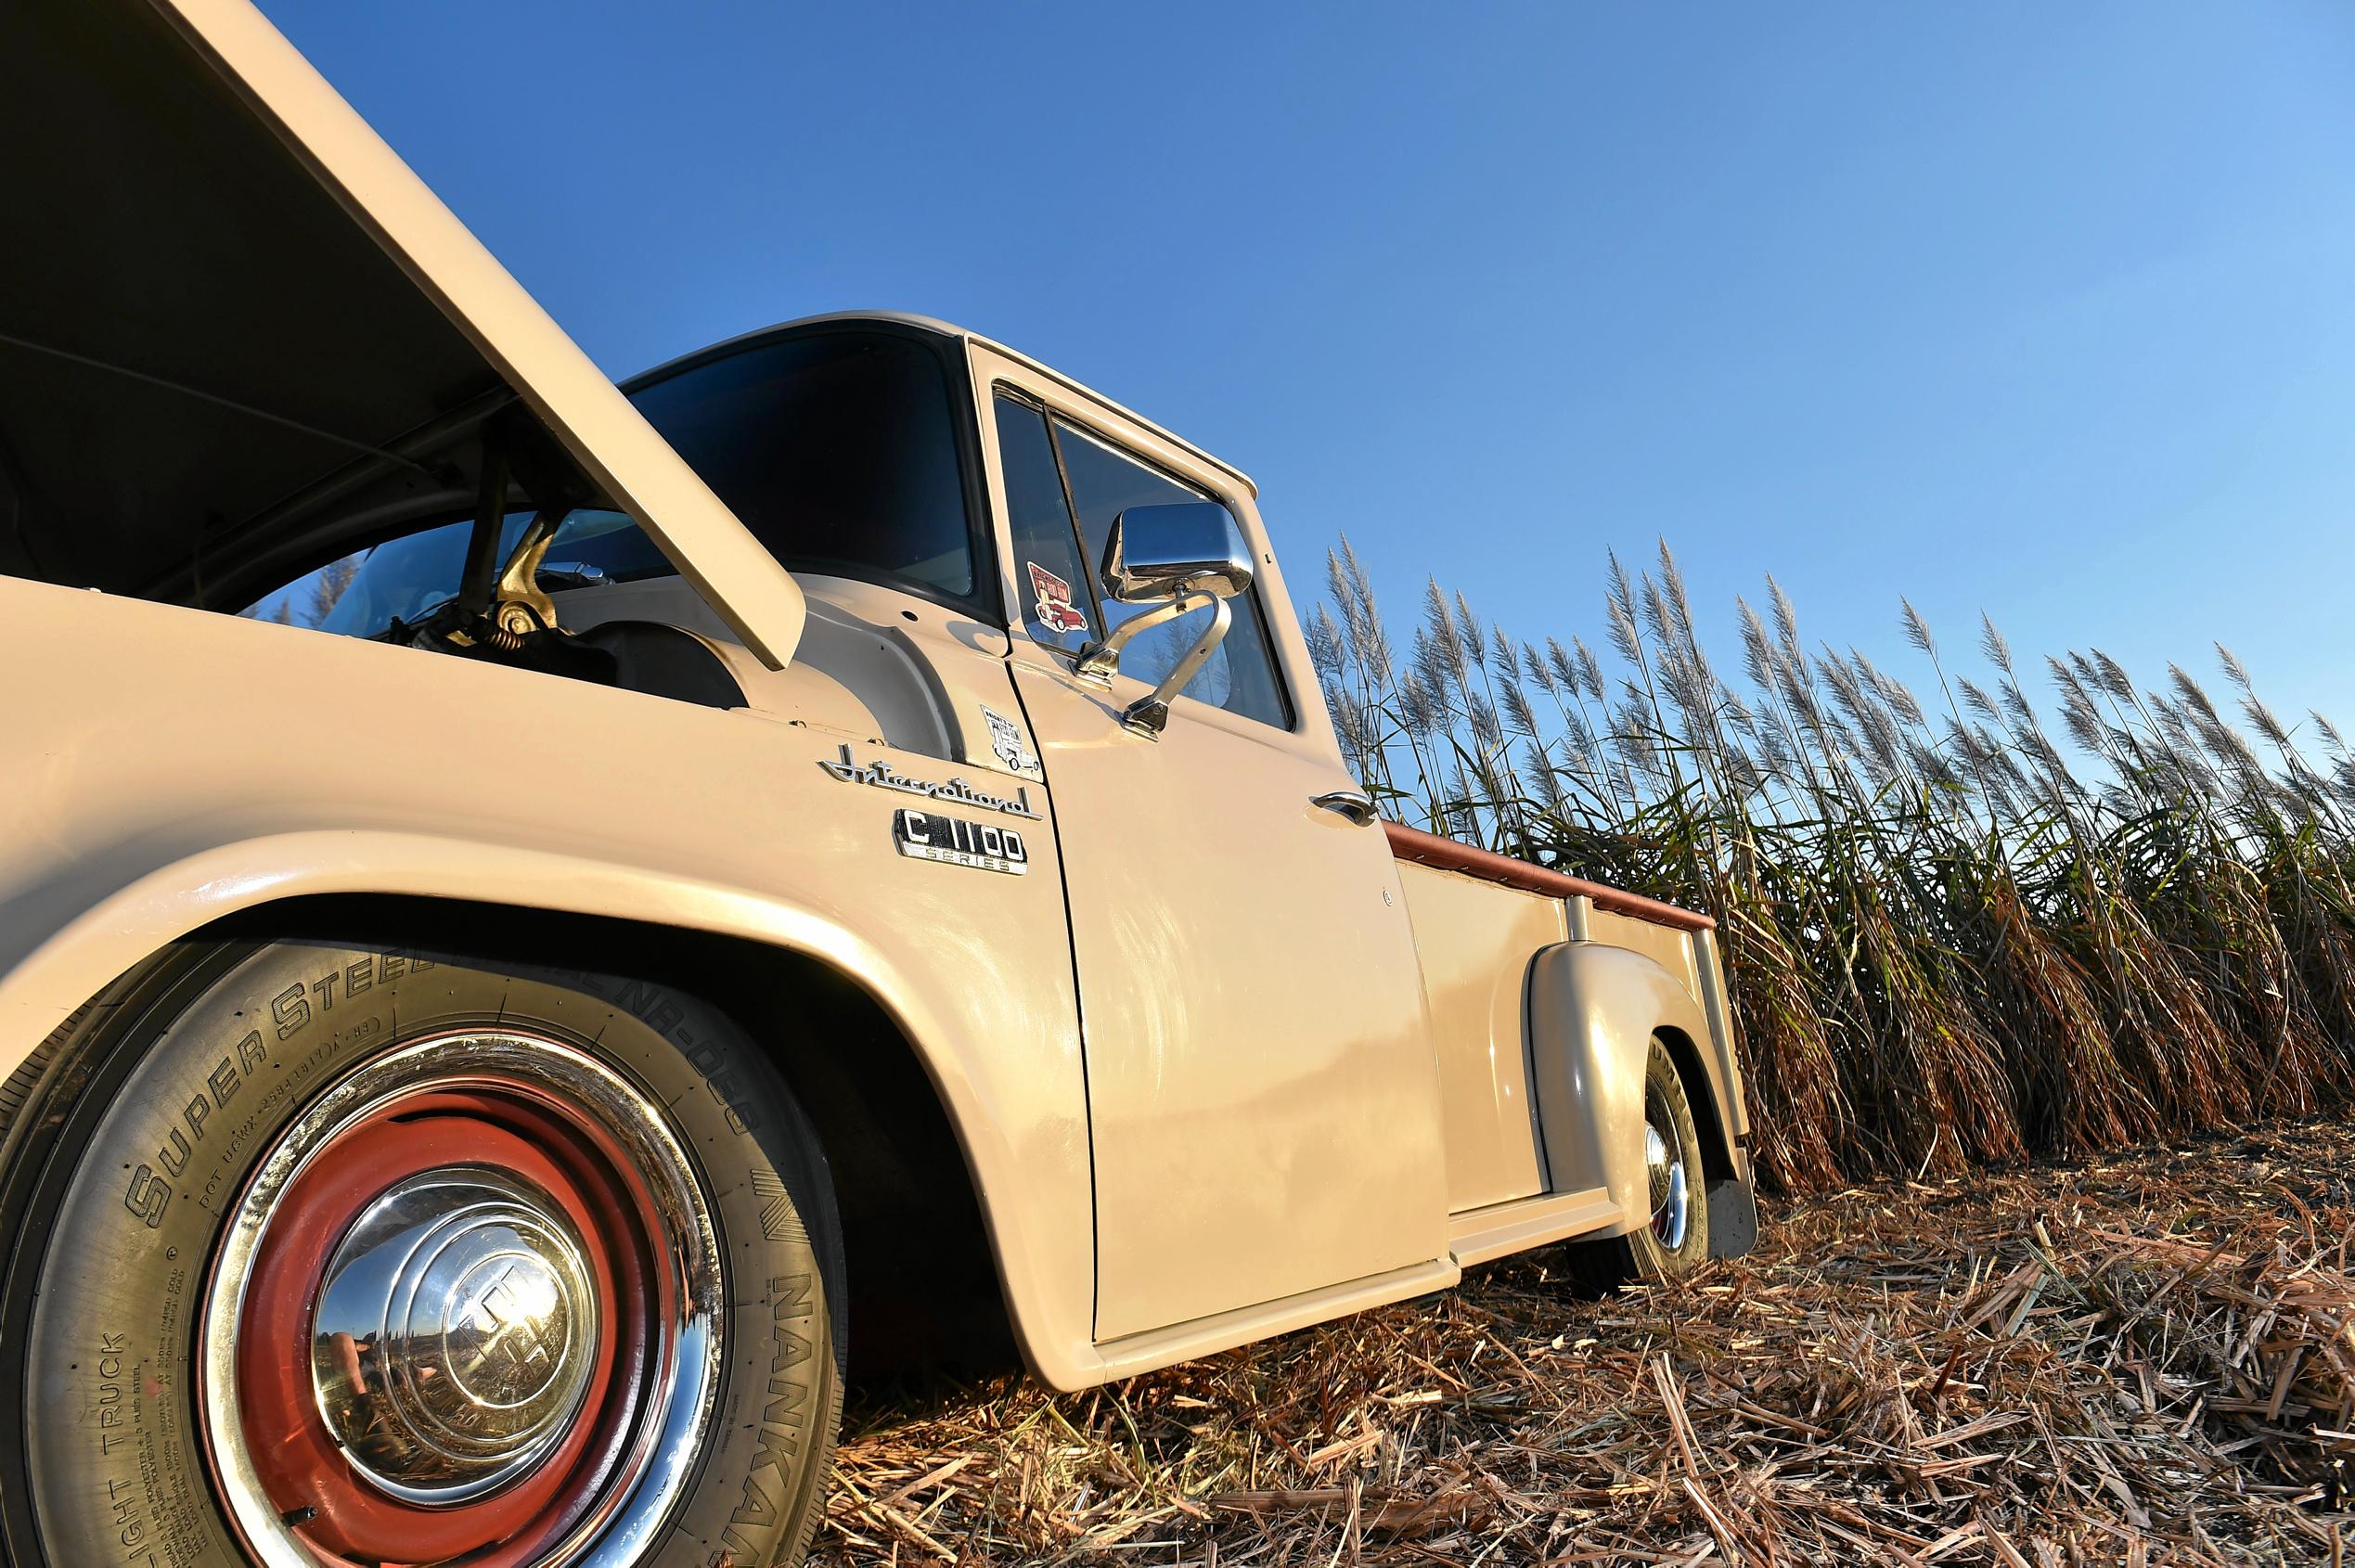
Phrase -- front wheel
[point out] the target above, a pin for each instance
(320, 1256)
(1675, 1237)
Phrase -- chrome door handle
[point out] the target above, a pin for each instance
(1354, 804)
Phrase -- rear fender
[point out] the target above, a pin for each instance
(1592, 1012)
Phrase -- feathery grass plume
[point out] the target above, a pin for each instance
(1951, 936)
(1419, 709)
(2077, 712)
(1893, 691)
(1471, 627)
(1349, 727)
(1566, 674)
(1445, 640)
(1428, 665)
(1341, 593)
(1589, 668)
(1551, 793)
(1917, 628)
(1535, 670)
(1325, 653)
(1786, 619)
(1757, 651)
(1483, 720)
(2114, 677)
(1517, 711)
(2233, 671)
(1626, 637)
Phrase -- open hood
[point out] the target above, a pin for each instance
(237, 334)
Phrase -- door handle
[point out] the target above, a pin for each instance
(1353, 805)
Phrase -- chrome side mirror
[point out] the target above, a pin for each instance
(1159, 553)
(1176, 559)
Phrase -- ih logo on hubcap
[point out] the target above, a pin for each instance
(507, 1337)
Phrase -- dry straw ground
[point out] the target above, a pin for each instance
(2147, 1358)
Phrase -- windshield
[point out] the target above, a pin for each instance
(363, 593)
(837, 449)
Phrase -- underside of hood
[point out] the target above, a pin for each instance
(237, 336)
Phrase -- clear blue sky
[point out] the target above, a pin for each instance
(2047, 310)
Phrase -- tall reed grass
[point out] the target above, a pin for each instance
(1953, 933)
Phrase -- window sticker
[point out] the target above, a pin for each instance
(1054, 610)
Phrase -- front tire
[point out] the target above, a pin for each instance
(317, 1254)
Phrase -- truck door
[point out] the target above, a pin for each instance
(1262, 1094)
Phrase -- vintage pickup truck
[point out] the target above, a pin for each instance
(837, 849)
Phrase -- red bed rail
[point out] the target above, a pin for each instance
(1448, 854)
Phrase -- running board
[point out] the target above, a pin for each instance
(1154, 1348)
(1478, 1235)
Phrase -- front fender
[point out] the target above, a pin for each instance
(1031, 1186)
(88, 945)
(170, 767)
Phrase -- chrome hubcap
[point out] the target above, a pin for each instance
(455, 1334)
(469, 1308)
(1664, 1163)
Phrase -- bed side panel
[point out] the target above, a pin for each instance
(1474, 941)
(1672, 950)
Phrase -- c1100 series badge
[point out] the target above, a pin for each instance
(928, 835)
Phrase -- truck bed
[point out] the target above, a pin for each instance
(1482, 921)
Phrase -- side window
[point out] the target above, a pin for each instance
(1051, 576)
(1241, 677)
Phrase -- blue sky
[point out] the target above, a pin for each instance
(2047, 310)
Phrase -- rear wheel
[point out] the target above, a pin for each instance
(320, 1257)
(1675, 1237)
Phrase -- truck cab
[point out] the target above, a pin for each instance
(1311, 1056)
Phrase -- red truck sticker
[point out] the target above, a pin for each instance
(1055, 611)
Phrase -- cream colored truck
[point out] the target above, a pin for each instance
(838, 851)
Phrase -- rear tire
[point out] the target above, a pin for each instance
(623, 1337)
(1674, 1238)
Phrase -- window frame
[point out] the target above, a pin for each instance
(1202, 481)
(1046, 416)
(987, 599)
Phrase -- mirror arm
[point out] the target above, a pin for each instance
(1099, 660)
(1149, 716)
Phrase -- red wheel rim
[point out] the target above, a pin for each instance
(522, 1223)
